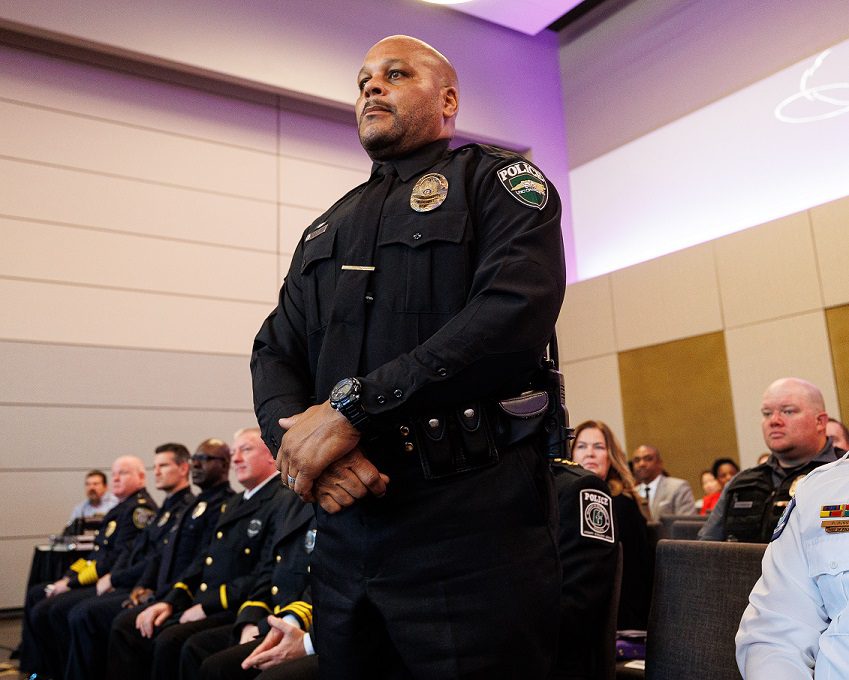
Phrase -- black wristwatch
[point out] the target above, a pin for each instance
(345, 398)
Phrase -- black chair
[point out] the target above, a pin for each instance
(700, 591)
(685, 529)
(667, 521)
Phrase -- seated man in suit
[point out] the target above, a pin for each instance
(665, 495)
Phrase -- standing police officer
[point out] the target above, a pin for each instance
(412, 306)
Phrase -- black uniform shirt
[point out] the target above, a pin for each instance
(461, 304)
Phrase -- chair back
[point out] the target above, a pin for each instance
(667, 521)
(685, 529)
(700, 591)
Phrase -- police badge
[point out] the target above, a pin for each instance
(200, 508)
(429, 192)
(165, 517)
(254, 527)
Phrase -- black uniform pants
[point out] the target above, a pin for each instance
(207, 656)
(45, 629)
(450, 578)
(133, 657)
(89, 623)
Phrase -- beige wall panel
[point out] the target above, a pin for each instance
(70, 254)
(52, 374)
(44, 312)
(585, 327)
(761, 353)
(666, 299)
(293, 222)
(592, 391)
(831, 239)
(101, 93)
(38, 502)
(15, 560)
(73, 141)
(677, 396)
(322, 141)
(837, 319)
(767, 272)
(82, 438)
(316, 185)
(40, 192)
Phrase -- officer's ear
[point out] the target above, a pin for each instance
(450, 101)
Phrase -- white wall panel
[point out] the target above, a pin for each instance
(322, 140)
(44, 312)
(67, 196)
(831, 239)
(69, 254)
(307, 184)
(293, 222)
(73, 141)
(586, 326)
(593, 392)
(761, 353)
(17, 556)
(666, 299)
(768, 271)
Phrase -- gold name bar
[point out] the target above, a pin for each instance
(357, 268)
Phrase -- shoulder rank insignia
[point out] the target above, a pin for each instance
(525, 183)
(165, 517)
(254, 527)
(596, 515)
(782, 522)
(142, 517)
(429, 192)
(110, 528)
(200, 508)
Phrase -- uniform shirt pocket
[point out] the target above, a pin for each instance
(318, 272)
(828, 565)
(423, 257)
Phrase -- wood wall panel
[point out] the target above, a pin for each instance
(677, 396)
(837, 320)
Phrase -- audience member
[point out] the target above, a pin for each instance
(838, 432)
(793, 421)
(40, 650)
(596, 448)
(84, 656)
(99, 500)
(709, 487)
(210, 592)
(587, 541)
(722, 471)
(795, 624)
(665, 495)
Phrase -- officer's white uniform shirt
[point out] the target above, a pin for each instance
(797, 615)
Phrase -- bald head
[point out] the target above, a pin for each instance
(128, 476)
(793, 420)
(408, 97)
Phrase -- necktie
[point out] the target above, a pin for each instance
(351, 297)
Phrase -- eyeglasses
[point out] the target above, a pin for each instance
(203, 458)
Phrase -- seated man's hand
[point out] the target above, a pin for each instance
(104, 584)
(249, 632)
(314, 439)
(152, 617)
(140, 595)
(57, 587)
(193, 613)
(348, 479)
(284, 642)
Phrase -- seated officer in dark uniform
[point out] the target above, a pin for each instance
(281, 590)
(88, 622)
(411, 307)
(793, 423)
(588, 553)
(41, 651)
(147, 644)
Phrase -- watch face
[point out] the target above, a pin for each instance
(342, 390)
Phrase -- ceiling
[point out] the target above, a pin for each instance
(527, 16)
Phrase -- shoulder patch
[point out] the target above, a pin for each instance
(597, 515)
(782, 522)
(525, 183)
(142, 517)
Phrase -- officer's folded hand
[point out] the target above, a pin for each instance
(314, 439)
(351, 477)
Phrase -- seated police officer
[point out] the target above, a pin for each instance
(210, 592)
(41, 650)
(793, 423)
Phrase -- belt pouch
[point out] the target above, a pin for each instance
(454, 441)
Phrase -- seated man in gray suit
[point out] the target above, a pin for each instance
(665, 495)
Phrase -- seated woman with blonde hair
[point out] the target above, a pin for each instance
(596, 448)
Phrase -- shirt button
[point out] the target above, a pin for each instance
(369, 298)
(209, 559)
(442, 371)
(219, 535)
(203, 587)
(832, 565)
(274, 590)
(381, 399)
(247, 551)
(279, 557)
(398, 394)
(417, 236)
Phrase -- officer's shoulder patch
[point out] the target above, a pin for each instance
(597, 515)
(142, 517)
(525, 183)
(782, 522)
